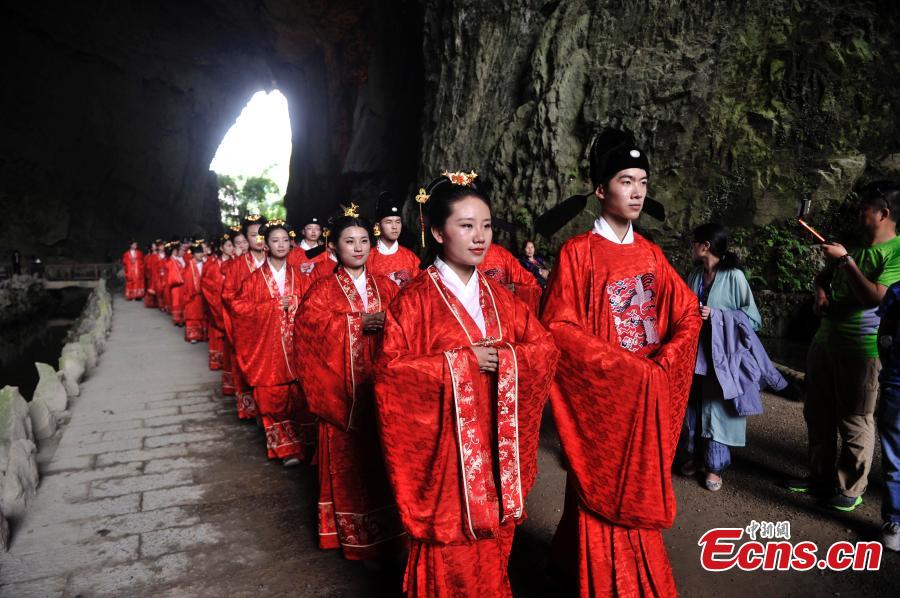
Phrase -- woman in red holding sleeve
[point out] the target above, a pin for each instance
(339, 329)
(264, 311)
(461, 383)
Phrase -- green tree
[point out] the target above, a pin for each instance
(239, 196)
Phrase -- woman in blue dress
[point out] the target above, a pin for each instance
(711, 424)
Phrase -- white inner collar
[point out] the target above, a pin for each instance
(383, 249)
(602, 228)
(469, 294)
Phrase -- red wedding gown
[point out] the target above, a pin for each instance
(264, 345)
(134, 274)
(461, 445)
(357, 511)
(400, 267)
(627, 327)
(297, 258)
(502, 266)
(194, 304)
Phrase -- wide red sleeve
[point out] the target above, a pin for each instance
(414, 400)
(525, 285)
(211, 282)
(614, 409)
(325, 329)
(175, 277)
(256, 328)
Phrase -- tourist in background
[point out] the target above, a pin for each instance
(715, 419)
(534, 263)
(842, 364)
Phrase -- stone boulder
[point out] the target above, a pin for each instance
(72, 365)
(90, 351)
(50, 389)
(43, 421)
(20, 477)
(18, 464)
(14, 420)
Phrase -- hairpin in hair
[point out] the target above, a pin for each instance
(461, 178)
(352, 211)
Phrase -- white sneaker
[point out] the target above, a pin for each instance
(890, 535)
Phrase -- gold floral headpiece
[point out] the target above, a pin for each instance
(292, 234)
(352, 211)
(253, 217)
(422, 196)
(234, 229)
(461, 178)
(276, 222)
(226, 237)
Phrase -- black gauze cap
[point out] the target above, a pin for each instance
(311, 220)
(614, 151)
(388, 205)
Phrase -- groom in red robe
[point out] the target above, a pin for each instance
(627, 328)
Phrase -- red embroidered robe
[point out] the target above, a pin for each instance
(235, 272)
(264, 345)
(357, 511)
(150, 266)
(134, 274)
(447, 428)
(162, 282)
(175, 283)
(211, 281)
(502, 266)
(400, 267)
(627, 329)
(194, 304)
(297, 258)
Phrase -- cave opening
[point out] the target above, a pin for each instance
(252, 162)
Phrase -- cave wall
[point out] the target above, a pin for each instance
(744, 107)
(112, 111)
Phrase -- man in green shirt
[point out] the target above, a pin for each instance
(842, 364)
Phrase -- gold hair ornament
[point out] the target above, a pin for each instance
(461, 178)
(376, 230)
(421, 198)
(352, 211)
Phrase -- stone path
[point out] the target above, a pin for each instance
(157, 490)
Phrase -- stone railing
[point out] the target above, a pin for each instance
(23, 424)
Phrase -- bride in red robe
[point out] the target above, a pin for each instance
(150, 276)
(235, 272)
(627, 327)
(195, 323)
(175, 283)
(133, 263)
(162, 276)
(340, 325)
(263, 328)
(461, 383)
(211, 281)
